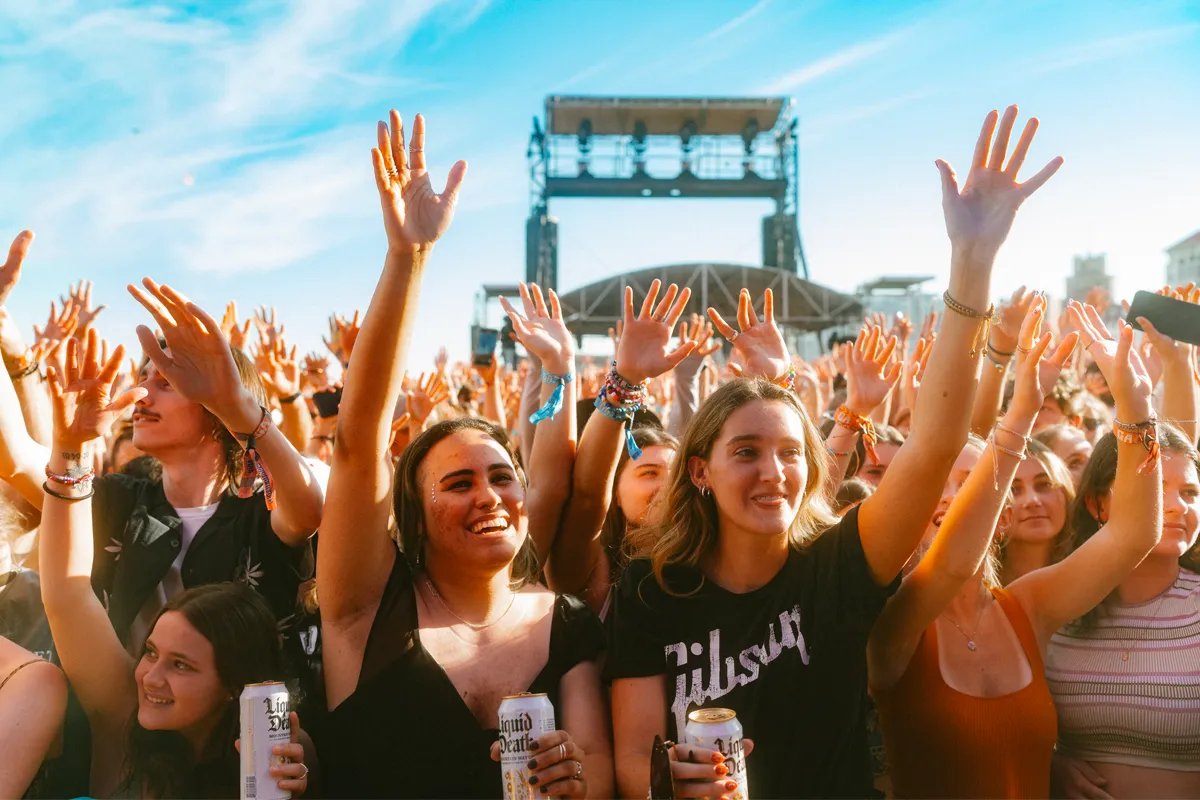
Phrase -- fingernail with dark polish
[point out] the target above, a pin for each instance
(533, 763)
(533, 745)
(533, 780)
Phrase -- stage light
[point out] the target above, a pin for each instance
(639, 146)
(585, 144)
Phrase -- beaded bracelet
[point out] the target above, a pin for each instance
(788, 379)
(624, 415)
(997, 363)
(71, 479)
(848, 419)
(554, 404)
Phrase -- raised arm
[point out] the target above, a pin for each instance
(542, 331)
(356, 554)
(1001, 347)
(32, 704)
(966, 532)
(21, 458)
(1055, 595)
(200, 366)
(1179, 386)
(869, 381)
(644, 352)
(978, 218)
(686, 375)
(96, 664)
(281, 376)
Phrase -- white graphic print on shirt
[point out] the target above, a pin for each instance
(749, 660)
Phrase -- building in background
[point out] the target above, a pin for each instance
(1090, 272)
(1183, 261)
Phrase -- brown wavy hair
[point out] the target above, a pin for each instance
(616, 525)
(686, 529)
(408, 500)
(1060, 478)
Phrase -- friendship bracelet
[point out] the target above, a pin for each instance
(1147, 439)
(554, 404)
(252, 464)
(988, 317)
(46, 488)
(1134, 427)
(788, 379)
(997, 350)
(997, 363)
(71, 479)
(848, 419)
(623, 414)
(1005, 429)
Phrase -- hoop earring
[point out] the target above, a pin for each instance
(704, 490)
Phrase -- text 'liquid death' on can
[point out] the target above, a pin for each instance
(265, 724)
(523, 718)
(719, 729)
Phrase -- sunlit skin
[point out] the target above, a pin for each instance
(1050, 414)
(872, 472)
(474, 502)
(178, 685)
(1073, 447)
(968, 457)
(1039, 506)
(640, 481)
(165, 420)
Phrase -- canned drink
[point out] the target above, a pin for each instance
(719, 729)
(265, 724)
(523, 718)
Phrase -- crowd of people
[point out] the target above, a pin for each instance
(954, 562)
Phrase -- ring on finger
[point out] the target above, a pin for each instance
(731, 338)
(578, 770)
(305, 775)
(562, 751)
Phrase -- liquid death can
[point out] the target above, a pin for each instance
(523, 718)
(265, 724)
(719, 729)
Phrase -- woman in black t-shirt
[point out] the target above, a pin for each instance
(749, 596)
(421, 645)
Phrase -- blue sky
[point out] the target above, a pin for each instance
(224, 148)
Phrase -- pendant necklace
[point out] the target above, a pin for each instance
(970, 637)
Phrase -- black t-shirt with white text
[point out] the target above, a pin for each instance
(789, 658)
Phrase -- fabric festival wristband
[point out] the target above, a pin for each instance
(847, 418)
(252, 464)
(554, 404)
(1147, 437)
(623, 414)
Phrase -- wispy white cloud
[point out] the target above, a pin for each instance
(1108, 48)
(735, 23)
(819, 127)
(834, 62)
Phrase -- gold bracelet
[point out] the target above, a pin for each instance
(988, 318)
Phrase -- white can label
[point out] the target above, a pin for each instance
(516, 732)
(265, 725)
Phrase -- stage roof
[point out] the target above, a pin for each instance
(799, 304)
(663, 116)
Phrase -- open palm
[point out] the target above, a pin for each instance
(869, 378)
(759, 343)
(644, 350)
(541, 329)
(414, 215)
(82, 394)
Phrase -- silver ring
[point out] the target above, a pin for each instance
(562, 751)
(735, 335)
(658, 318)
(305, 775)
(578, 770)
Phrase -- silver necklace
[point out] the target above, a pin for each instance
(970, 637)
(475, 626)
(1127, 645)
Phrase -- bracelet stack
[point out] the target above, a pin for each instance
(619, 400)
(78, 479)
(998, 448)
(788, 380)
(1143, 433)
(554, 404)
(848, 419)
(992, 353)
(987, 317)
(253, 466)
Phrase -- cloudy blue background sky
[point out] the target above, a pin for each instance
(225, 147)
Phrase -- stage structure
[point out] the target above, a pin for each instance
(634, 147)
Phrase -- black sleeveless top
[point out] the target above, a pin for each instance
(405, 731)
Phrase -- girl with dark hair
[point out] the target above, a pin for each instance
(1124, 676)
(163, 725)
(614, 480)
(1071, 445)
(423, 643)
(753, 596)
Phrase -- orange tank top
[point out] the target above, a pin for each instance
(943, 743)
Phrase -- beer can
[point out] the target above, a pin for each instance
(719, 729)
(265, 724)
(523, 718)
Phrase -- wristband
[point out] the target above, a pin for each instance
(71, 479)
(291, 398)
(1143, 433)
(986, 317)
(623, 414)
(848, 419)
(554, 404)
(20, 374)
(46, 488)
(788, 379)
(252, 464)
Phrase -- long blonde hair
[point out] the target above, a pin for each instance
(685, 528)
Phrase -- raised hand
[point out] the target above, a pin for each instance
(268, 331)
(82, 394)
(80, 297)
(542, 331)
(315, 372)
(914, 371)
(980, 215)
(1037, 373)
(281, 375)
(425, 396)
(1118, 360)
(645, 349)
(929, 325)
(59, 326)
(342, 336)
(199, 365)
(414, 216)
(10, 273)
(236, 333)
(759, 344)
(902, 329)
(700, 332)
(869, 378)
(1011, 315)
